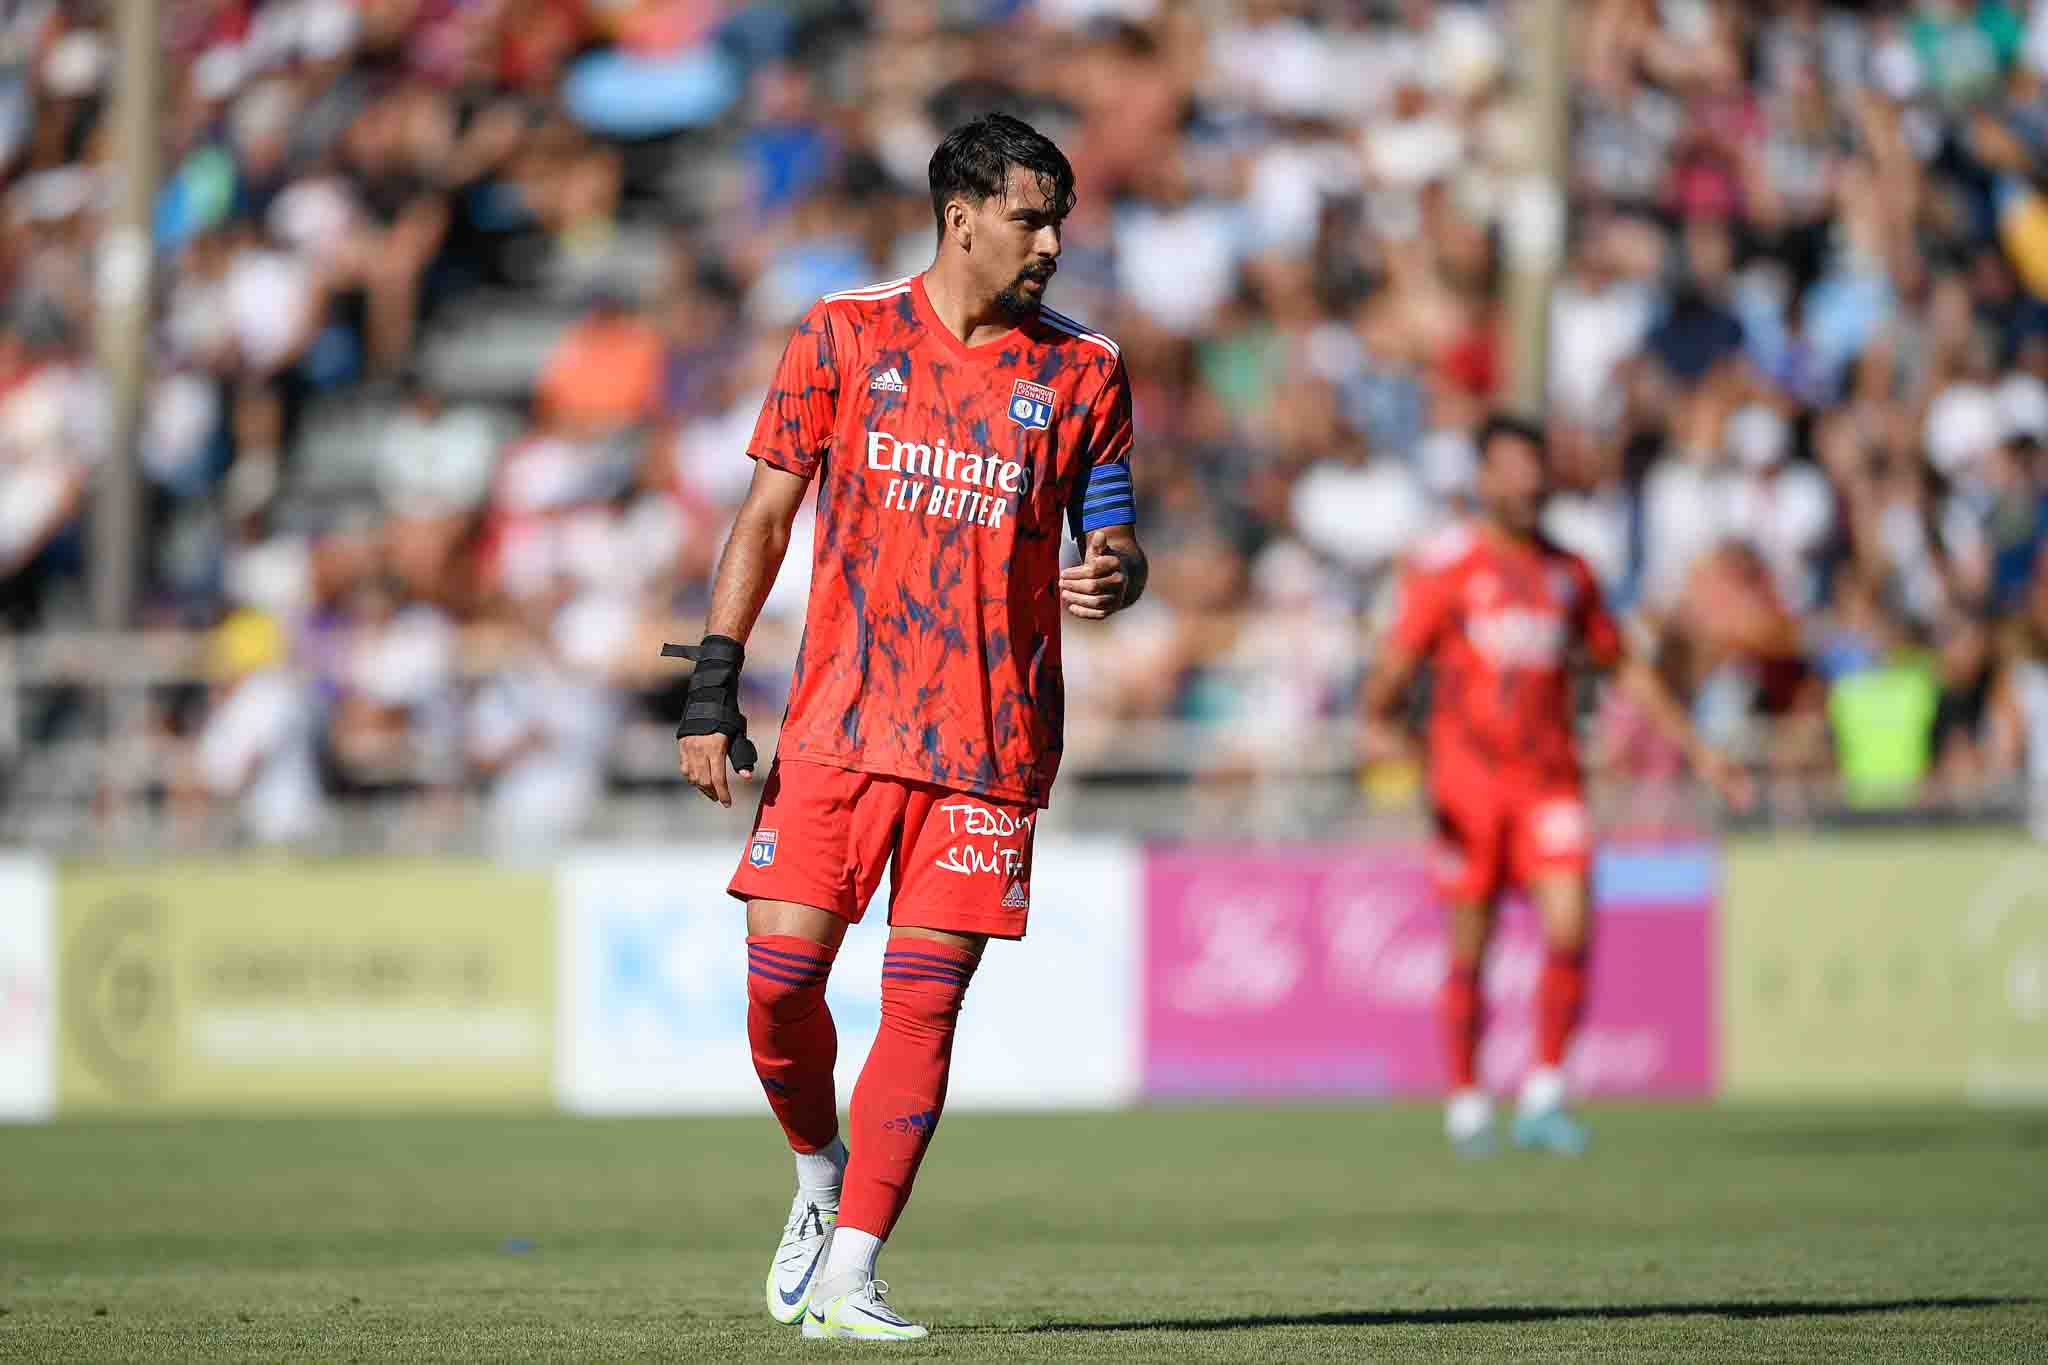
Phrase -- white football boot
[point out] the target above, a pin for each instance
(1543, 1124)
(802, 1251)
(1468, 1123)
(856, 1311)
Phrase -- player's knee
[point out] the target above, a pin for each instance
(782, 1002)
(1567, 938)
(923, 986)
(1471, 926)
(1566, 922)
(786, 976)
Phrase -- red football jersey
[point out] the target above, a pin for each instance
(1501, 623)
(945, 474)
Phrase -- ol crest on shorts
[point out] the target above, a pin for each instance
(761, 852)
(1031, 405)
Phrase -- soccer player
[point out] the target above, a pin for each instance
(954, 426)
(1500, 613)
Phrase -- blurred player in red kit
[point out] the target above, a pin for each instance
(955, 428)
(1502, 614)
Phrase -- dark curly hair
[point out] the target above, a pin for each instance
(974, 161)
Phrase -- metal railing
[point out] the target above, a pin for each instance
(87, 763)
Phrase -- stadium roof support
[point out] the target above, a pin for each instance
(1534, 235)
(123, 308)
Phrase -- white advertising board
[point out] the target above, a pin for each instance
(28, 991)
(651, 1002)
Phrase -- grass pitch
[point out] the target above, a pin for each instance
(1183, 1235)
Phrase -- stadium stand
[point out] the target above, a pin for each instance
(466, 307)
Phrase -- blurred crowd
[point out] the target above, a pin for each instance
(465, 309)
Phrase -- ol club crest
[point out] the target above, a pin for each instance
(1031, 405)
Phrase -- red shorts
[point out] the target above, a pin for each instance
(824, 836)
(1490, 838)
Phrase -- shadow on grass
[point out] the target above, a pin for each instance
(1423, 1317)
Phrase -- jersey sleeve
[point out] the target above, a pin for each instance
(1422, 611)
(795, 427)
(1103, 493)
(1597, 630)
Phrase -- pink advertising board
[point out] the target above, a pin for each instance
(1314, 971)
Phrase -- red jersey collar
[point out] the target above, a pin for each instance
(985, 353)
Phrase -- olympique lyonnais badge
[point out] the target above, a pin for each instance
(762, 851)
(1031, 405)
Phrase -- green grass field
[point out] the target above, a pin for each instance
(1242, 1235)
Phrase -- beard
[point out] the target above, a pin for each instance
(1523, 516)
(1012, 299)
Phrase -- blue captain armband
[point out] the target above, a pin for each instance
(1106, 498)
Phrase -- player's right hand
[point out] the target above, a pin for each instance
(702, 759)
(713, 726)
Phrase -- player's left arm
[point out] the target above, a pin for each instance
(1104, 512)
(1601, 637)
(1719, 771)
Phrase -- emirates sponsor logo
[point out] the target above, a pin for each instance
(935, 480)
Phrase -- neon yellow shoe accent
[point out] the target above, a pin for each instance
(862, 1315)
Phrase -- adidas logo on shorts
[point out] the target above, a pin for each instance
(888, 381)
(1018, 897)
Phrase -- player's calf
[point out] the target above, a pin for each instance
(1468, 1116)
(896, 1108)
(902, 1089)
(795, 1045)
(1542, 1122)
(792, 1035)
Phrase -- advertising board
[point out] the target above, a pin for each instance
(1901, 966)
(653, 987)
(291, 986)
(28, 991)
(1315, 971)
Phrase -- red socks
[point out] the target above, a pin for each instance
(1463, 1012)
(902, 1089)
(791, 1030)
(1560, 997)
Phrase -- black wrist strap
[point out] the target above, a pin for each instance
(711, 703)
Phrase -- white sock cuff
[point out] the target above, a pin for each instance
(1543, 1090)
(852, 1252)
(819, 1174)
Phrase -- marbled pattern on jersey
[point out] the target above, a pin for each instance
(1501, 625)
(931, 647)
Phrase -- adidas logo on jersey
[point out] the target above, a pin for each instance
(888, 381)
(1018, 897)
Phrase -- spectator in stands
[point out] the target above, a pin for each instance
(605, 375)
(1965, 658)
(393, 157)
(2017, 736)
(540, 730)
(435, 462)
(1784, 507)
(1882, 713)
(51, 437)
(255, 750)
(392, 712)
(247, 313)
(1801, 345)
(1746, 655)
